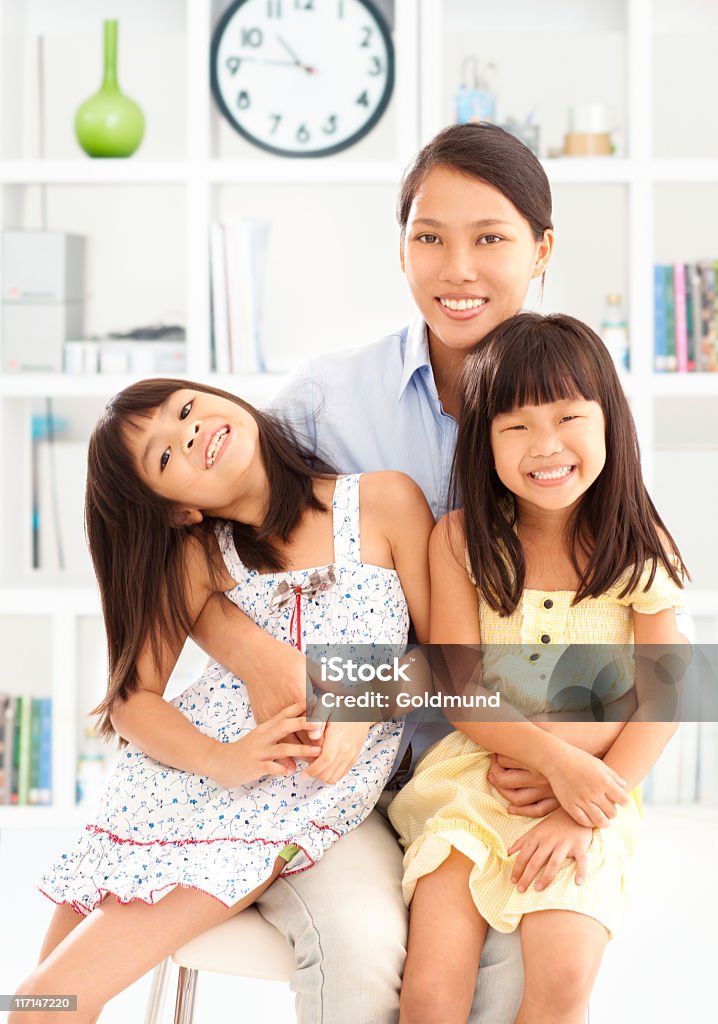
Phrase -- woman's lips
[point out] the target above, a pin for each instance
(461, 314)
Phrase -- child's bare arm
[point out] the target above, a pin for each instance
(163, 732)
(643, 739)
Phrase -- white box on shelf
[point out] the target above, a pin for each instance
(43, 266)
(34, 335)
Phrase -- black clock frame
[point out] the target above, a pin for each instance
(311, 154)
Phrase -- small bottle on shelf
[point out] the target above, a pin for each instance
(614, 332)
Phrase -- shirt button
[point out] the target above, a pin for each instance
(534, 657)
(548, 603)
(545, 639)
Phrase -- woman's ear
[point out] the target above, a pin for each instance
(185, 517)
(401, 255)
(544, 248)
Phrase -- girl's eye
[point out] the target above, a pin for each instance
(567, 419)
(185, 411)
(164, 458)
(518, 426)
(428, 238)
(489, 239)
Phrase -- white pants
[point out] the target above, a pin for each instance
(348, 924)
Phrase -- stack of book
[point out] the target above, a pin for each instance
(237, 255)
(686, 317)
(25, 749)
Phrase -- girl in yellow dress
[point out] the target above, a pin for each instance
(561, 542)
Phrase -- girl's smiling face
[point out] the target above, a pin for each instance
(469, 256)
(549, 455)
(199, 451)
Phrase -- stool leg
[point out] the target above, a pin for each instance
(157, 993)
(186, 992)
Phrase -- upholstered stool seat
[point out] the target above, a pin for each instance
(245, 945)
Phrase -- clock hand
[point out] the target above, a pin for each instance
(305, 67)
(263, 60)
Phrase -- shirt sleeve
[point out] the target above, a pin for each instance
(295, 405)
(663, 593)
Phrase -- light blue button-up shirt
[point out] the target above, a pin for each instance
(376, 408)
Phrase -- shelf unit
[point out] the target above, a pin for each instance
(213, 175)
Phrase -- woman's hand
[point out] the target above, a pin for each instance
(527, 791)
(343, 742)
(587, 788)
(263, 751)
(546, 846)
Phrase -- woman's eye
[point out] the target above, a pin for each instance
(185, 411)
(428, 238)
(164, 458)
(489, 239)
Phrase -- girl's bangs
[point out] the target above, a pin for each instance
(539, 371)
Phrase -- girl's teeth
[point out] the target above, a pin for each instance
(459, 304)
(553, 474)
(216, 445)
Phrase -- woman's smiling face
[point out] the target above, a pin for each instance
(195, 450)
(469, 256)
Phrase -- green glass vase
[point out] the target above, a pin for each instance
(109, 123)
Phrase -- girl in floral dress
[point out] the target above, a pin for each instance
(192, 493)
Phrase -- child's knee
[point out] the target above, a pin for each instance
(429, 1000)
(564, 986)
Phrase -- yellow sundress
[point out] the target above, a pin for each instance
(450, 803)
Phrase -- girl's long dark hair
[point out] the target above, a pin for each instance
(532, 360)
(139, 557)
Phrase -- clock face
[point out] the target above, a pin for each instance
(302, 77)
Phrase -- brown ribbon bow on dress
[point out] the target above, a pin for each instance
(319, 582)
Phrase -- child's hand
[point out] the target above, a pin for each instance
(527, 791)
(546, 846)
(261, 751)
(342, 745)
(587, 788)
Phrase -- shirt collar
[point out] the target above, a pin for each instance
(416, 353)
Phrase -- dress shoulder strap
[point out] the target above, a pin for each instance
(345, 509)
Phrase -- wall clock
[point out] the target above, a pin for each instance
(302, 77)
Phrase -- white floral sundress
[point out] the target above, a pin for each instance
(158, 827)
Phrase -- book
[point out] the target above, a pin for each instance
(219, 311)
(659, 318)
(706, 270)
(670, 306)
(23, 733)
(5, 747)
(45, 759)
(681, 327)
(33, 796)
(693, 314)
(61, 468)
(246, 247)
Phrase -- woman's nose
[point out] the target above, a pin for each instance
(193, 431)
(459, 265)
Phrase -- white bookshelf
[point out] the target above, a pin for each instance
(193, 163)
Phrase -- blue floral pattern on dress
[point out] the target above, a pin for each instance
(158, 827)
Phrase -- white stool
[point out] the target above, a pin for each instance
(245, 945)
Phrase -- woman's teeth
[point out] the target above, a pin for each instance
(215, 444)
(457, 304)
(552, 474)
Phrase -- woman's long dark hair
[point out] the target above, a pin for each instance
(532, 360)
(139, 557)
